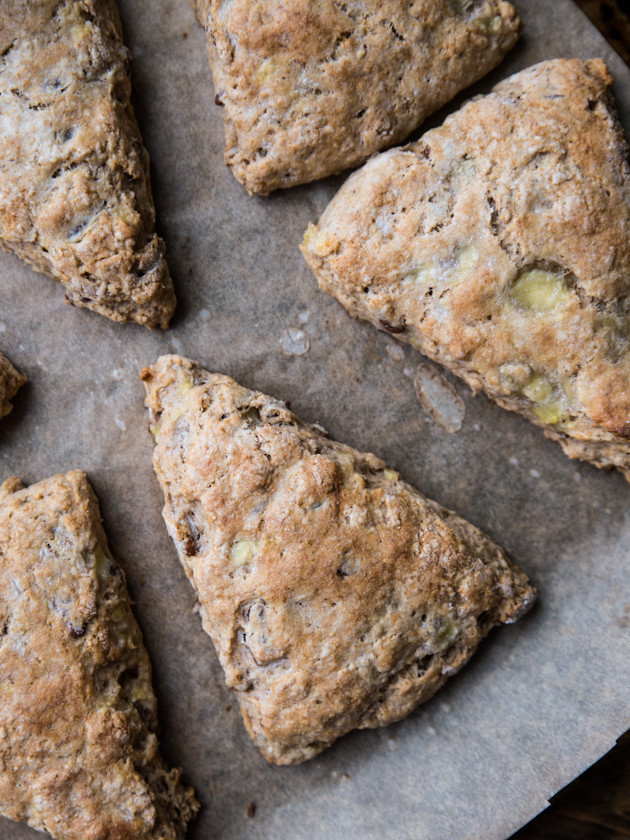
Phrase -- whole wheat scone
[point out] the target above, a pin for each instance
(75, 198)
(499, 245)
(78, 750)
(11, 380)
(336, 595)
(312, 87)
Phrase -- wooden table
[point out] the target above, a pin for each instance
(614, 23)
(594, 807)
(597, 805)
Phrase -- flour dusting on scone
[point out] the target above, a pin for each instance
(75, 198)
(78, 749)
(11, 380)
(312, 87)
(499, 245)
(336, 595)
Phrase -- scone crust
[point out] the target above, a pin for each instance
(499, 245)
(78, 750)
(75, 197)
(336, 595)
(313, 87)
(11, 380)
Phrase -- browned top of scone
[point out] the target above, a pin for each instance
(499, 244)
(313, 87)
(75, 199)
(11, 380)
(78, 751)
(336, 595)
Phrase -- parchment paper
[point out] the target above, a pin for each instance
(540, 701)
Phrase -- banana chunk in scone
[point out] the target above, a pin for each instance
(11, 380)
(312, 87)
(78, 748)
(336, 595)
(499, 245)
(75, 197)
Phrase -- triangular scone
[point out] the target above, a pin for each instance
(336, 595)
(499, 245)
(11, 380)
(75, 198)
(78, 751)
(312, 87)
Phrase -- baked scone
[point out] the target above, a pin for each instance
(499, 245)
(11, 380)
(75, 198)
(78, 750)
(337, 596)
(312, 87)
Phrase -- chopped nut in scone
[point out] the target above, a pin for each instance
(75, 198)
(499, 245)
(337, 596)
(78, 748)
(312, 88)
(11, 380)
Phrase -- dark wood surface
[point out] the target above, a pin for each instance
(594, 807)
(612, 18)
(597, 805)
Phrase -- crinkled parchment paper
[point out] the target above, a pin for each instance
(541, 700)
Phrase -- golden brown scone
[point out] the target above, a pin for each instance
(75, 198)
(336, 595)
(312, 87)
(499, 245)
(11, 380)
(78, 750)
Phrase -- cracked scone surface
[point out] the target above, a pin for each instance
(336, 595)
(312, 88)
(11, 380)
(75, 198)
(78, 750)
(499, 245)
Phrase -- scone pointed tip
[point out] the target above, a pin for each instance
(11, 380)
(10, 486)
